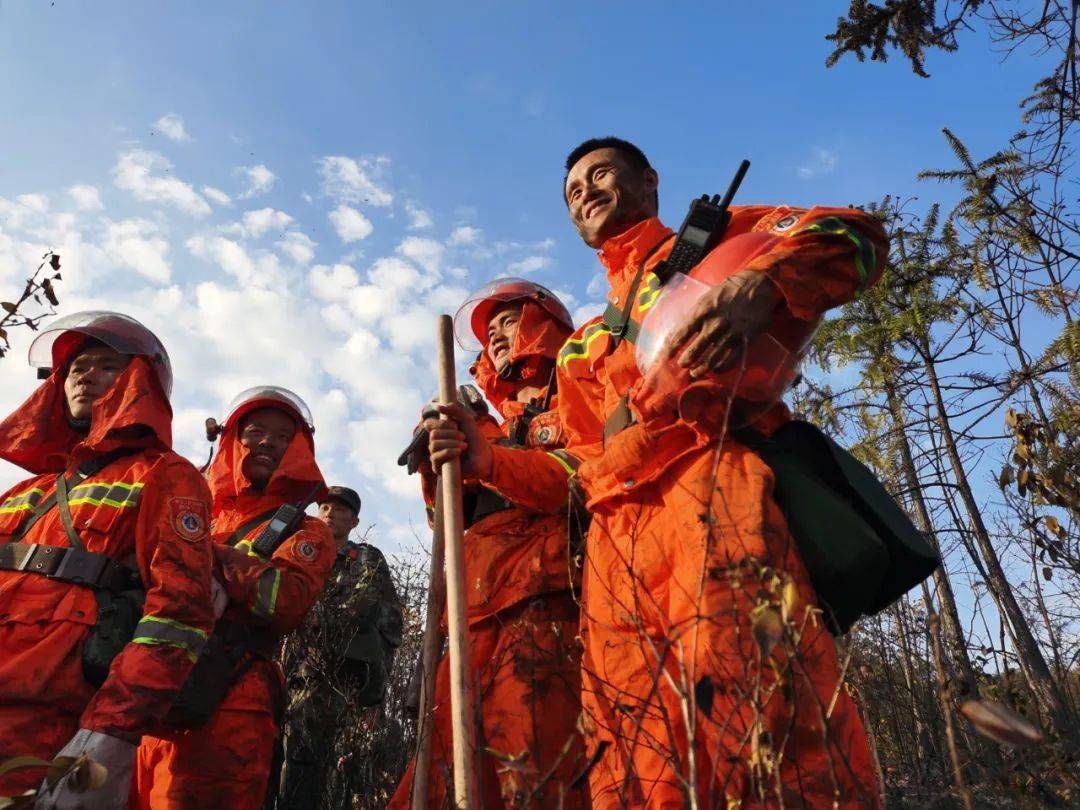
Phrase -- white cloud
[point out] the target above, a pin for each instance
(425, 252)
(530, 264)
(464, 235)
(171, 126)
(419, 219)
(26, 208)
(136, 244)
(38, 203)
(256, 223)
(329, 283)
(297, 246)
(86, 198)
(216, 195)
(350, 224)
(256, 179)
(355, 181)
(821, 162)
(140, 172)
(255, 269)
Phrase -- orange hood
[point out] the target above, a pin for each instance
(133, 413)
(297, 478)
(539, 337)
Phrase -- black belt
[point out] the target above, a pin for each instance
(66, 564)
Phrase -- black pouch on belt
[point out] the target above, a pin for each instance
(861, 551)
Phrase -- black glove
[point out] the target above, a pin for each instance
(416, 452)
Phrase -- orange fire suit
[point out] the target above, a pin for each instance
(226, 763)
(706, 667)
(149, 508)
(523, 621)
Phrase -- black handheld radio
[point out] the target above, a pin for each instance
(282, 525)
(702, 229)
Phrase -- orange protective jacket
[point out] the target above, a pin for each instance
(149, 508)
(520, 552)
(226, 762)
(523, 618)
(277, 592)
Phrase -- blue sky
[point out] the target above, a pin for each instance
(288, 193)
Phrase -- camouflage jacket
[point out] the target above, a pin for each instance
(348, 641)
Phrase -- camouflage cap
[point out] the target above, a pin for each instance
(344, 495)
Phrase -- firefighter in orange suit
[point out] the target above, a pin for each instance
(266, 459)
(709, 678)
(522, 615)
(113, 526)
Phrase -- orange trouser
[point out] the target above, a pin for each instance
(700, 625)
(224, 764)
(527, 667)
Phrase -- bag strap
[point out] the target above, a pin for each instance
(40, 512)
(65, 512)
(242, 530)
(619, 322)
(619, 419)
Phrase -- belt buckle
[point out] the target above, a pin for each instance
(80, 567)
(42, 559)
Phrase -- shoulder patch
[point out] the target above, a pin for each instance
(189, 518)
(545, 430)
(786, 222)
(305, 551)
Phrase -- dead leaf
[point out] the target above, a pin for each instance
(87, 775)
(1006, 476)
(768, 628)
(24, 801)
(46, 285)
(8, 306)
(18, 763)
(1000, 723)
(57, 770)
(789, 600)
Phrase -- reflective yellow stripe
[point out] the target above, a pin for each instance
(562, 462)
(117, 494)
(650, 293)
(865, 254)
(246, 547)
(580, 348)
(266, 593)
(159, 631)
(23, 502)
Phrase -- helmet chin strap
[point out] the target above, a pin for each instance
(79, 425)
(509, 371)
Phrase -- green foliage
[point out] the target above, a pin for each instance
(911, 26)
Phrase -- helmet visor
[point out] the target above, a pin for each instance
(471, 320)
(270, 396)
(766, 373)
(55, 345)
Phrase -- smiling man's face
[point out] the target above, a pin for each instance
(266, 433)
(501, 332)
(606, 194)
